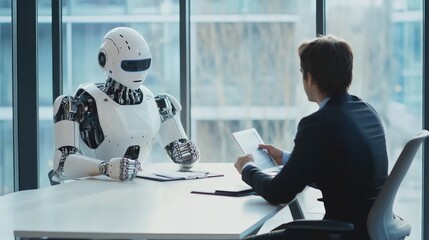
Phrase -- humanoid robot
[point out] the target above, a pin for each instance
(109, 128)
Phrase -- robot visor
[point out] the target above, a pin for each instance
(135, 65)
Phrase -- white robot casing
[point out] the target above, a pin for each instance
(124, 125)
(122, 46)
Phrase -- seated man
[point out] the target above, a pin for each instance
(340, 149)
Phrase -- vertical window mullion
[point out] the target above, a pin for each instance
(185, 81)
(25, 94)
(320, 17)
(57, 59)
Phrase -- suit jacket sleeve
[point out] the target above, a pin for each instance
(300, 171)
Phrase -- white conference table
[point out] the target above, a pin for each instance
(101, 208)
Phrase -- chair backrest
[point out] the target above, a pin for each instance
(382, 223)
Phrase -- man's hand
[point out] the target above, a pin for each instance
(275, 153)
(243, 160)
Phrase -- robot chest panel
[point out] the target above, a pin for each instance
(127, 125)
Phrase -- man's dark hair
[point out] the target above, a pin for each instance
(329, 59)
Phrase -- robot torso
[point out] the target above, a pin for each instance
(127, 130)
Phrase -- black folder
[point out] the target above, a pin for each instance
(240, 193)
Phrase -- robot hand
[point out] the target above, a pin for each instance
(120, 168)
(183, 152)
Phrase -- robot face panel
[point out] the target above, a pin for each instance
(135, 65)
(125, 57)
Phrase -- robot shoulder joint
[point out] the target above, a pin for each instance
(65, 108)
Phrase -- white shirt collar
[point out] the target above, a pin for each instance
(323, 102)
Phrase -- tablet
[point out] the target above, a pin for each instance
(248, 140)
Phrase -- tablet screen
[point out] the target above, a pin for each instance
(248, 141)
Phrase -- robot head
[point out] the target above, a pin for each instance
(125, 57)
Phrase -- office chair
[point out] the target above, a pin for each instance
(382, 223)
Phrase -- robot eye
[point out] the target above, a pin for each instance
(135, 65)
(102, 59)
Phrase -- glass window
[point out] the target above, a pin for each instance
(6, 133)
(386, 37)
(245, 71)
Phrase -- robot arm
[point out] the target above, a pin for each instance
(68, 163)
(172, 135)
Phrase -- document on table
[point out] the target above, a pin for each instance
(164, 176)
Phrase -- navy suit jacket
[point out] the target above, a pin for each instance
(341, 149)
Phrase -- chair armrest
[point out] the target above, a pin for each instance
(295, 210)
(320, 225)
